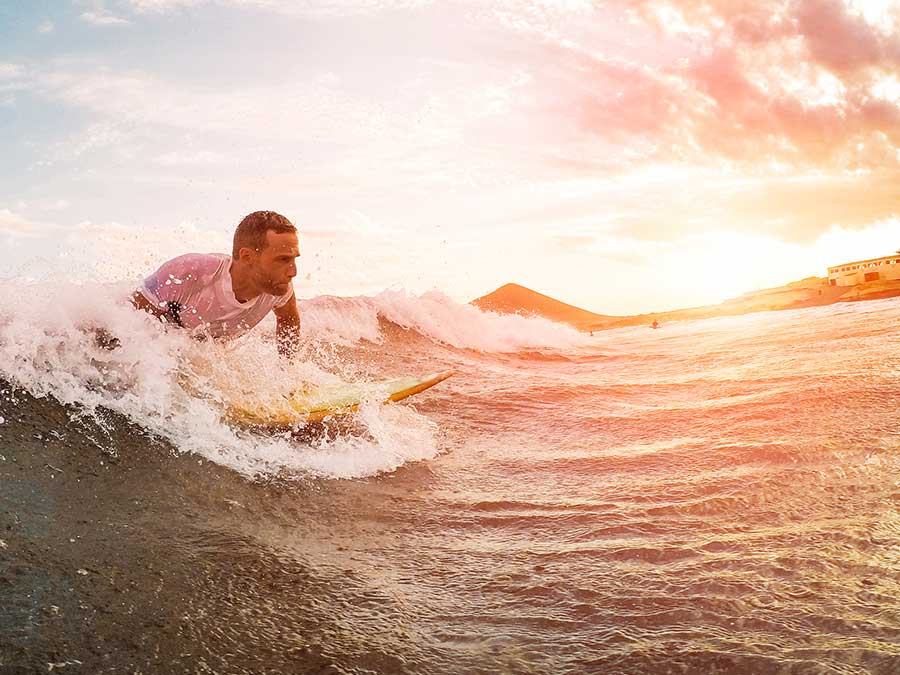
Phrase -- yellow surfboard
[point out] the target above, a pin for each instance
(305, 405)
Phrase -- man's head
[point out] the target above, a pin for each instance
(266, 243)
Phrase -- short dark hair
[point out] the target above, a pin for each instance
(251, 231)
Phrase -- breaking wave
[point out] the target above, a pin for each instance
(177, 389)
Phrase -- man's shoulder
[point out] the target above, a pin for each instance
(196, 265)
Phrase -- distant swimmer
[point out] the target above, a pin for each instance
(223, 296)
(655, 324)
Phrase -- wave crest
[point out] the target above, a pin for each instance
(437, 317)
(176, 388)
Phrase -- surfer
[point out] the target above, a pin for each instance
(655, 324)
(223, 296)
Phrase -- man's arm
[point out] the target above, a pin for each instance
(142, 303)
(287, 327)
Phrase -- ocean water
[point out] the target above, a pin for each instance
(716, 496)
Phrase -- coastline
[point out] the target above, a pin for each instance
(809, 292)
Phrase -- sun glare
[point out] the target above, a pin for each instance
(738, 262)
(841, 245)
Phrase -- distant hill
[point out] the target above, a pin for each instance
(515, 299)
(809, 292)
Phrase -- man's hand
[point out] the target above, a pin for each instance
(287, 327)
(140, 302)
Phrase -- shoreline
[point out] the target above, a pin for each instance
(809, 292)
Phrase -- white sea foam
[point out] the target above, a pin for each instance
(175, 388)
(436, 316)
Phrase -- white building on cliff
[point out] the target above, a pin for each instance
(876, 269)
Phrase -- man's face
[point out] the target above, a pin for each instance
(276, 264)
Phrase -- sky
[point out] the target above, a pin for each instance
(624, 156)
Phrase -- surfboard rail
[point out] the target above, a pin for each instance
(315, 405)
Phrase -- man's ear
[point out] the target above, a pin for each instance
(246, 254)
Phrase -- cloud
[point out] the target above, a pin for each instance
(300, 110)
(13, 79)
(11, 71)
(190, 158)
(843, 42)
(43, 205)
(840, 35)
(313, 8)
(46, 27)
(792, 82)
(665, 204)
(163, 6)
(303, 129)
(97, 136)
(17, 225)
(747, 86)
(541, 15)
(103, 18)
